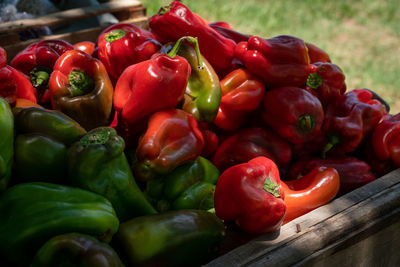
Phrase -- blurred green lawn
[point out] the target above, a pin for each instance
(362, 37)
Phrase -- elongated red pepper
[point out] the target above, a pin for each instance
(326, 82)
(353, 172)
(80, 87)
(251, 195)
(176, 20)
(242, 92)
(224, 28)
(317, 54)
(171, 139)
(37, 61)
(249, 143)
(315, 189)
(149, 86)
(122, 45)
(348, 120)
(293, 113)
(280, 61)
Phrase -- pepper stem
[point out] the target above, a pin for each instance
(314, 80)
(305, 123)
(80, 83)
(333, 141)
(191, 40)
(39, 77)
(95, 138)
(271, 187)
(115, 35)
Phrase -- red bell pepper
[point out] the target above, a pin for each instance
(348, 120)
(86, 46)
(316, 54)
(279, 61)
(386, 139)
(249, 143)
(3, 57)
(251, 195)
(176, 20)
(122, 45)
(210, 140)
(149, 86)
(80, 87)
(353, 172)
(293, 113)
(242, 92)
(14, 84)
(171, 139)
(37, 61)
(326, 82)
(318, 187)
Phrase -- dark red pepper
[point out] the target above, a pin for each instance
(122, 45)
(317, 54)
(293, 113)
(225, 29)
(176, 20)
(280, 61)
(249, 143)
(37, 61)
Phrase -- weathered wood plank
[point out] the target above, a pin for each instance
(70, 15)
(335, 223)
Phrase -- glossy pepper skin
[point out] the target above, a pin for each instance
(32, 213)
(171, 139)
(176, 20)
(146, 87)
(14, 84)
(75, 249)
(242, 92)
(251, 195)
(6, 143)
(353, 172)
(349, 120)
(316, 188)
(97, 163)
(173, 238)
(37, 61)
(41, 143)
(122, 45)
(293, 113)
(189, 186)
(326, 81)
(203, 91)
(86, 46)
(249, 143)
(280, 61)
(80, 87)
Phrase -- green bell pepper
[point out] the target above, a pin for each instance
(32, 213)
(173, 238)
(203, 91)
(43, 137)
(74, 249)
(97, 163)
(6, 143)
(189, 186)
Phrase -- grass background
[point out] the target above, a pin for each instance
(362, 37)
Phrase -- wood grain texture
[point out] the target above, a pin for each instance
(367, 214)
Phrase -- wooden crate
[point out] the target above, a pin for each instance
(126, 11)
(361, 228)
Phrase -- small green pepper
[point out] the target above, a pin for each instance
(189, 186)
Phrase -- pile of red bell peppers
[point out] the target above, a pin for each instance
(188, 115)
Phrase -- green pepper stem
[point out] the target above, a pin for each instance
(271, 187)
(314, 80)
(115, 35)
(333, 141)
(39, 77)
(95, 138)
(305, 123)
(80, 83)
(191, 40)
